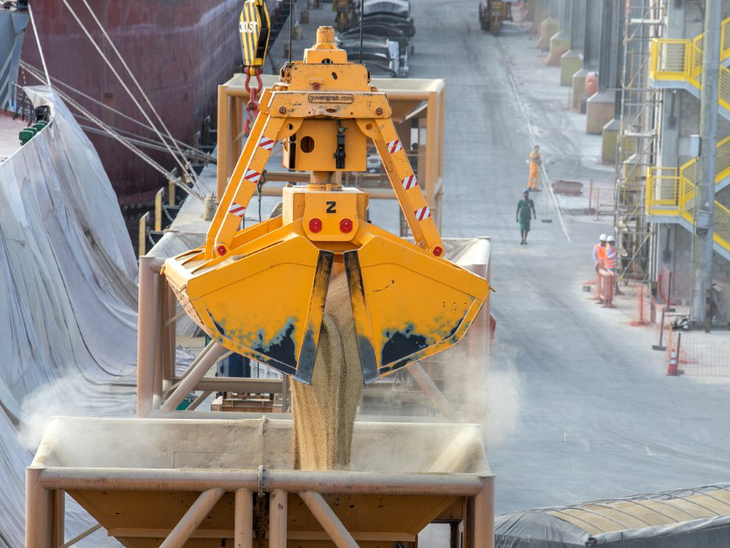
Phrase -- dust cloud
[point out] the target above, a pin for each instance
(503, 409)
(66, 397)
(47, 401)
(476, 394)
(482, 389)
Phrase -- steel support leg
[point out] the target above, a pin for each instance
(196, 373)
(38, 503)
(145, 337)
(328, 519)
(484, 516)
(58, 516)
(243, 524)
(192, 518)
(425, 383)
(278, 519)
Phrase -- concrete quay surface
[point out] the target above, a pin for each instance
(581, 406)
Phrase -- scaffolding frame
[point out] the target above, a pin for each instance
(638, 138)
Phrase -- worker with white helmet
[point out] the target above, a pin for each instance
(599, 252)
(609, 262)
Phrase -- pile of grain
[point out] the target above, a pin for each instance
(324, 411)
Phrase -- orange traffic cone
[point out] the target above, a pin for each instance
(672, 369)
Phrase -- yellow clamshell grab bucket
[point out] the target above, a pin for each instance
(261, 291)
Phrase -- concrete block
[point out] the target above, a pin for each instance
(548, 28)
(599, 111)
(570, 63)
(537, 12)
(609, 143)
(559, 44)
(579, 88)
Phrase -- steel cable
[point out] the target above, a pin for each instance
(183, 164)
(139, 87)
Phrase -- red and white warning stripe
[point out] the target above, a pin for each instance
(252, 175)
(266, 143)
(423, 213)
(409, 182)
(237, 209)
(394, 146)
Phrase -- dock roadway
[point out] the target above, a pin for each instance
(581, 407)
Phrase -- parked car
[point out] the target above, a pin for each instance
(378, 69)
(373, 163)
(402, 51)
(403, 23)
(384, 49)
(383, 30)
(379, 31)
(397, 7)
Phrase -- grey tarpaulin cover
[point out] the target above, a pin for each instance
(533, 529)
(67, 301)
(686, 518)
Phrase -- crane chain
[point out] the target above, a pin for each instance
(252, 107)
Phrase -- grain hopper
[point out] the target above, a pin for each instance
(198, 483)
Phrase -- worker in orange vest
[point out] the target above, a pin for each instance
(609, 262)
(535, 163)
(609, 259)
(599, 252)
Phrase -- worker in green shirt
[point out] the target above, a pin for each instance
(524, 207)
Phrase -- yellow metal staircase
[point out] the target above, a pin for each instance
(678, 64)
(670, 192)
(670, 197)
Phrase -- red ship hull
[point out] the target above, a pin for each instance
(179, 50)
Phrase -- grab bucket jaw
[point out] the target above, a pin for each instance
(406, 304)
(266, 300)
(266, 305)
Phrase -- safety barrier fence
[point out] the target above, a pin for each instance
(686, 352)
(645, 311)
(699, 353)
(605, 280)
(665, 280)
(670, 193)
(601, 201)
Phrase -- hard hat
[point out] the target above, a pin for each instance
(611, 239)
(602, 238)
(526, 191)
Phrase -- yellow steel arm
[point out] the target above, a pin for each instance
(404, 183)
(242, 185)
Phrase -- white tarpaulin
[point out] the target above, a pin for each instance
(683, 518)
(68, 306)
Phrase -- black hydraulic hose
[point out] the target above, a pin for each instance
(362, 14)
(291, 26)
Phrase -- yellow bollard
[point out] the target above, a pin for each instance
(143, 220)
